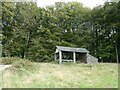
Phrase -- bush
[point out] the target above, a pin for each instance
(8, 60)
(23, 63)
(18, 64)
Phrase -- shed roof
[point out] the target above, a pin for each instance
(71, 49)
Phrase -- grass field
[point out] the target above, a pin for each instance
(66, 75)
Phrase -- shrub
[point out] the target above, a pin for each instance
(8, 60)
(18, 64)
(23, 63)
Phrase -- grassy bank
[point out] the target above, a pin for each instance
(67, 75)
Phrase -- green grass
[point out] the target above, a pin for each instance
(1, 82)
(66, 75)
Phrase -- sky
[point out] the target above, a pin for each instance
(89, 3)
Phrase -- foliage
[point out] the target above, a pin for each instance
(32, 32)
(9, 60)
(105, 30)
(18, 65)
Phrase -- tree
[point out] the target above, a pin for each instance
(32, 32)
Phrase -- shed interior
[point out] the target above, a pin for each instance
(68, 56)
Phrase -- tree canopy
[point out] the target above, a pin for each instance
(33, 32)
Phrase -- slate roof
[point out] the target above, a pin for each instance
(71, 49)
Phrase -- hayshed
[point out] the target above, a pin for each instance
(73, 54)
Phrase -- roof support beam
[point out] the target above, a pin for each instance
(55, 56)
(74, 57)
(60, 57)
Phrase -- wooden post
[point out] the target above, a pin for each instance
(116, 53)
(55, 57)
(60, 57)
(74, 57)
(85, 58)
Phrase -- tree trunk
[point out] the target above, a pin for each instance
(26, 46)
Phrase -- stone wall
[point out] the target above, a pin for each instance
(91, 59)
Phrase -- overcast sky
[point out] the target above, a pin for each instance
(88, 3)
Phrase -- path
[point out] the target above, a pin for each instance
(2, 67)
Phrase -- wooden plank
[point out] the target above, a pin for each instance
(67, 60)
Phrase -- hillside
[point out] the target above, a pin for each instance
(66, 75)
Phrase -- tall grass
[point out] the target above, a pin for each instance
(66, 75)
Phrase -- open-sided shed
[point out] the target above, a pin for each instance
(78, 54)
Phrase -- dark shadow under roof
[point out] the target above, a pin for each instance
(71, 49)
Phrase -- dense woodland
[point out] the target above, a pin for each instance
(32, 32)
